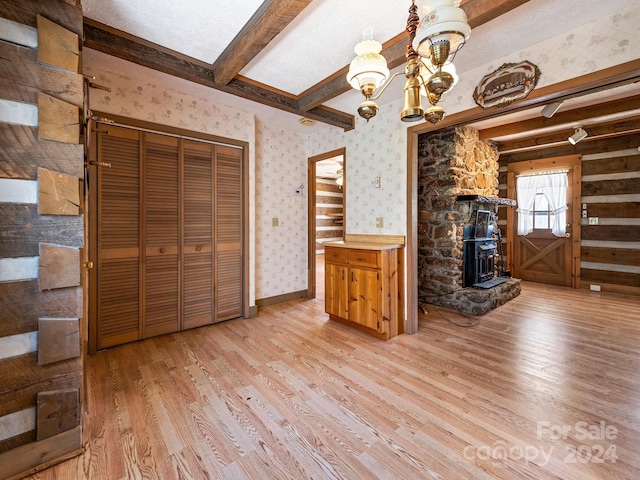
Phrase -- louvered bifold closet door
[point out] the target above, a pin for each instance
(118, 210)
(228, 230)
(198, 234)
(161, 190)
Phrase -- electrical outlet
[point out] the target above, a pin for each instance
(275, 221)
(376, 182)
(593, 220)
(379, 222)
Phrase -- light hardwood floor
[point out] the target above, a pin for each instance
(291, 395)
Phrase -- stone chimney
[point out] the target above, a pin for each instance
(455, 164)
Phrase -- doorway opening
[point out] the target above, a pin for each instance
(327, 200)
(544, 239)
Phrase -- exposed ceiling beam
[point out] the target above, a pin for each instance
(572, 116)
(535, 141)
(119, 44)
(483, 11)
(268, 21)
(478, 12)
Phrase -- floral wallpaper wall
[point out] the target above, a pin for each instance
(374, 149)
(281, 253)
(144, 95)
(606, 42)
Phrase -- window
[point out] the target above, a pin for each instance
(542, 202)
(542, 215)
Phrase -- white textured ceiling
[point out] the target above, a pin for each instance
(320, 40)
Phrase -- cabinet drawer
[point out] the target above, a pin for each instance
(363, 258)
(335, 255)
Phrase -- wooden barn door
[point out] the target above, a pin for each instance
(540, 256)
(168, 237)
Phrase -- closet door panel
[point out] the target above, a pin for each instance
(198, 234)
(161, 281)
(228, 233)
(117, 239)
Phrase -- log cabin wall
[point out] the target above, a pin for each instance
(610, 249)
(329, 213)
(42, 234)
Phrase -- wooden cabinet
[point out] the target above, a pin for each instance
(364, 288)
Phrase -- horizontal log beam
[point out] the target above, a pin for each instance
(22, 304)
(585, 147)
(620, 186)
(612, 233)
(575, 117)
(21, 153)
(127, 47)
(22, 77)
(626, 163)
(620, 127)
(17, 219)
(615, 256)
(23, 373)
(606, 277)
(67, 14)
(613, 210)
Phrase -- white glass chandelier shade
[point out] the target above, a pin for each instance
(444, 22)
(368, 71)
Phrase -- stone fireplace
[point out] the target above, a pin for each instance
(457, 176)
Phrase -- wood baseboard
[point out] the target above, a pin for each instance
(286, 297)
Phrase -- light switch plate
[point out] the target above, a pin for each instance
(380, 222)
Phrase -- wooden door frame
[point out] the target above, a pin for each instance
(311, 228)
(573, 163)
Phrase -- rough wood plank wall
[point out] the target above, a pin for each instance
(53, 368)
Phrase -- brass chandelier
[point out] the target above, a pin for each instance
(433, 43)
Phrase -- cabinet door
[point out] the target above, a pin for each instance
(365, 291)
(336, 290)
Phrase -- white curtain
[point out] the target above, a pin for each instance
(526, 189)
(554, 187)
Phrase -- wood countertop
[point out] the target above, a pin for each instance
(364, 245)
